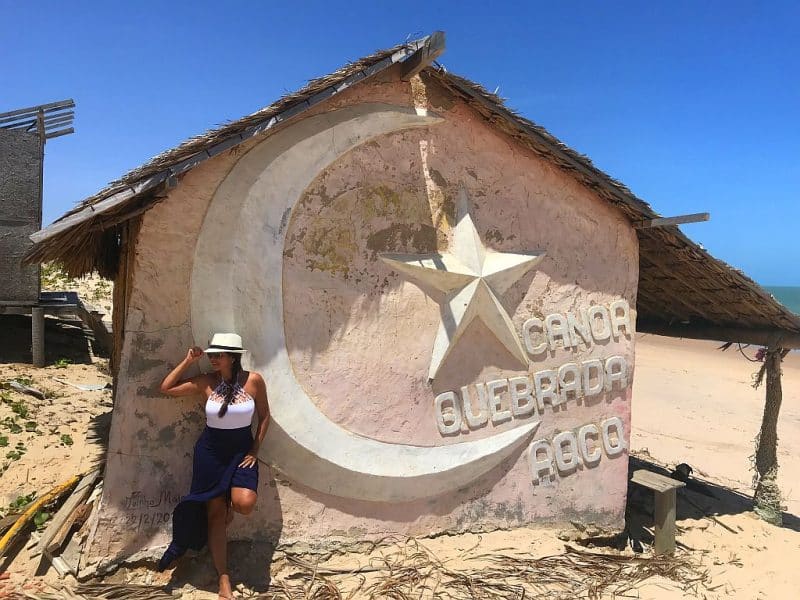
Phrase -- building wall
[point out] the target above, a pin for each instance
(20, 213)
(359, 336)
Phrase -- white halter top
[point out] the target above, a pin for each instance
(240, 410)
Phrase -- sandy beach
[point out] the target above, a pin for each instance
(692, 403)
(695, 404)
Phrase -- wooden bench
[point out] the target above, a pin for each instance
(664, 488)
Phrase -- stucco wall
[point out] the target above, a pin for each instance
(359, 336)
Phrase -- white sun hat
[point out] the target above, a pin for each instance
(226, 342)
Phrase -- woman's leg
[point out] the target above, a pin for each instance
(243, 500)
(218, 542)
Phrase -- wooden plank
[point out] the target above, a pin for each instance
(433, 47)
(655, 481)
(56, 122)
(56, 532)
(55, 545)
(668, 221)
(52, 116)
(56, 134)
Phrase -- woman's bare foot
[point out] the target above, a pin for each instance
(225, 591)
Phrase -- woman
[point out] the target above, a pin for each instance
(225, 469)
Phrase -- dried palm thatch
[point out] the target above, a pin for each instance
(683, 290)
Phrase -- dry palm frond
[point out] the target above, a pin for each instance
(102, 591)
(413, 572)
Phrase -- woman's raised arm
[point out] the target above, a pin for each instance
(173, 385)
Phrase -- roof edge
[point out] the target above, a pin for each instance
(770, 338)
(404, 53)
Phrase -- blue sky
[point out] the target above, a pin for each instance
(694, 106)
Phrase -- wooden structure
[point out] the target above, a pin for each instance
(23, 134)
(666, 502)
(683, 291)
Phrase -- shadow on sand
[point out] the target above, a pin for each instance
(65, 339)
(699, 499)
(249, 564)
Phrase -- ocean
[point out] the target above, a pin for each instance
(788, 296)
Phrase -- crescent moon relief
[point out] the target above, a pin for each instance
(237, 285)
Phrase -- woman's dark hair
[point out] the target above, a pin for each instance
(235, 370)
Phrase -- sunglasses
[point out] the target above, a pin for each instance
(215, 354)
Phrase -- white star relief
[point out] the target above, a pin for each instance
(471, 277)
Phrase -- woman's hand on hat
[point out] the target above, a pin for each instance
(194, 354)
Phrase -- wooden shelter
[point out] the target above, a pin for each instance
(682, 291)
(23, 134)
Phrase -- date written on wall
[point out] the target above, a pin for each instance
(143, 511)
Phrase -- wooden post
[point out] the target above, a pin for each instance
(665, 522)
(37, 335)
(767, 497)
(666, 502)
(40, 128)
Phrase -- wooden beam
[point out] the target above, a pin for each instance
(56, 134)
(432, 49)
(667, 221)
(34, 109)
(760, 337)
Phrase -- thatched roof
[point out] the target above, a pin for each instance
(683, 290)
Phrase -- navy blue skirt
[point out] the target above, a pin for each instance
(215, 471)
